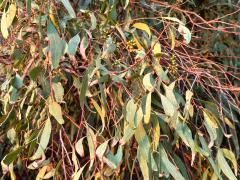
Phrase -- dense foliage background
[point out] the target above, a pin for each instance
(119, 89)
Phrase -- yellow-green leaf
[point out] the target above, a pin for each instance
(100, 111)
(46, 133)
(56, 111)
(143, 26)
(231, 157)
(210, 118)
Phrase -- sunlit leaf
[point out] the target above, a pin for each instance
(101, 150)
(148, 82)
(143, 26)
(79, 147)
(4, 28)
(146, 105)
(131, 109)
(56, 111)
(224, 165)
(11, 13)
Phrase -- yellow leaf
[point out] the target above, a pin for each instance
(143, 27)
(11, 13)
(147, 110)
(41, 173)
(139, 46)
(156, 49)
(4, 29)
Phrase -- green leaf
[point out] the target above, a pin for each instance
(58, 91)
(79, 147)
(84, 88)
(28, 6)
(148, 82)
(46, 133)
(10, 157)
(169, 165)
(73, 45)
(224, 165)
(209, 157)
(147, 107)
(69, 8)
(35, 72)
(113, 161)
(56, 111)
(181, 166)
(17, 82)
(144, 27)
(57, 45)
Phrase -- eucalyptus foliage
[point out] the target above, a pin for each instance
(119, 89)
